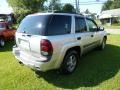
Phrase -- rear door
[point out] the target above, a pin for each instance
(82, 35)
(59, 33)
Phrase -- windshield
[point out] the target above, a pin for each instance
(34, 25)
(2, 26)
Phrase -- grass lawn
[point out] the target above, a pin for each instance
(114, 26)
(98, 70)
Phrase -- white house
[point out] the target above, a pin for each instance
(109, 16)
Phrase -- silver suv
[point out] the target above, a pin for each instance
(46, 41)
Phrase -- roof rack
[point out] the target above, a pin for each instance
(67, 12)
(64, 12)
(56, 11)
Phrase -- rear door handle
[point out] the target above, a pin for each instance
(78, 38)
(92, 35)
(23, 35)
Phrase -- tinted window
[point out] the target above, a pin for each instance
(34, 25)
(59, 25)
(91, 24)
(2, 25)
(80, 25)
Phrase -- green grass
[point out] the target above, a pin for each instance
(114, 26)
(98, 70)
(15, 26)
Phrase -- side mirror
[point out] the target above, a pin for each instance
(101, 28)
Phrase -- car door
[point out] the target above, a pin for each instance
(82, 35)
(95, 33)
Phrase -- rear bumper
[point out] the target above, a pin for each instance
(31, 61)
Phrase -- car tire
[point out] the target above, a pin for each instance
(70, 62)
(2, 42)
(103, 44)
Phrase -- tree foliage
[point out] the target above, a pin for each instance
(54, 5)
(116, 4)
(87, 11)
(23, 7)
(68, 8)
(111, 5)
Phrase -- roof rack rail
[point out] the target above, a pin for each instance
(67, 12)
(56, 11)
(64, 12)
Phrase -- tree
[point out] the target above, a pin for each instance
(107, 5)
(115, 4)
(22, 8)
(54, 5)
(68, 8)
(110, 4)
(87, 11)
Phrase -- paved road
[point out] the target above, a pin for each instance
(113, 31)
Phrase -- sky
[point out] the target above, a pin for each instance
(84, 4)
(4, 7)
(88, 4)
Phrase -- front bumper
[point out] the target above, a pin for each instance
(31, 61)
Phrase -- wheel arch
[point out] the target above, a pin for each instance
(76, 48)
(64, 52)
(105, 37)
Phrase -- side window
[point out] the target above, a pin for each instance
(91, 25)
(2, 26)
(80, 25)
(59, 25)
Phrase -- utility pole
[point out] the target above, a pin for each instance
(77, 6)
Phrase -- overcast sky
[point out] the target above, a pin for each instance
(93, 5)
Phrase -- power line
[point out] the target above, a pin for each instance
(90, 3)
(93, 2)
(83, 4)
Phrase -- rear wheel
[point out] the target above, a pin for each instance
(2, 42)
(70, 62)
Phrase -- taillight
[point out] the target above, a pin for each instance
(46, 47)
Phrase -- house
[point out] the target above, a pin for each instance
(110, 17)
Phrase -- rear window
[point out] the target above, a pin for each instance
(46, 25)
(34, 25)
(59, 25)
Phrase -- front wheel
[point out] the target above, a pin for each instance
(103, 44)
(2, 43)
(70, 62)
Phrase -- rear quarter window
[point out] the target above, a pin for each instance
(59, 25)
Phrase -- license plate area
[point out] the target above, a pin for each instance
(24, 44)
